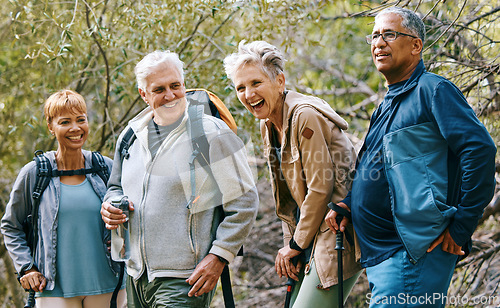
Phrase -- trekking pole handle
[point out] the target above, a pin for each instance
(339, 237)
(339, 241)
(339, 246)
(290, 282)
(30, 303)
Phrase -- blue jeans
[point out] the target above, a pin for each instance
(397, 282)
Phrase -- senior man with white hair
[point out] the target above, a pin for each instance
(176, 253)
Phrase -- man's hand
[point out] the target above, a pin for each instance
(113, 216)
(205, 275)
(283, 263)
(331, 222)
(34, 280)
(448, 244)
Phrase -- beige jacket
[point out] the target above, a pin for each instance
(317, 163)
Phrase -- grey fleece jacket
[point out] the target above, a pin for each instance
(166, 238)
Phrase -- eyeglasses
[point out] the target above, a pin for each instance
(388, 36)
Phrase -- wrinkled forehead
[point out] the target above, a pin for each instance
(164, 73)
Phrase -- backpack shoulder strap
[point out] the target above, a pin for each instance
(197, 133)
(42, 179)
(199, 145)
(100, 167)
(198, 101)
(43, 175)
(126, 142)
(217, 107)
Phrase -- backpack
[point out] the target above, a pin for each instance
(200, 102)
(44, 173)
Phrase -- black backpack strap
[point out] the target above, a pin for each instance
(126, 142)
(227, 292)
(30, 225)
(43, 174)
(112, 303)
(100, 167)
(42, 180)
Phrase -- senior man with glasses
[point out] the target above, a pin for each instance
(424, 175)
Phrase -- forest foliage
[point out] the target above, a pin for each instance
(93, 46)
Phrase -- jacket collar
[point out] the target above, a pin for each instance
(295, 100)
(288, 106)
(413, 81)
(140, 122)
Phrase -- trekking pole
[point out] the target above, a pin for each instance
(290, 284)
(30, 302)
(339, 246)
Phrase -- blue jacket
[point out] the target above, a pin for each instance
(439, 161)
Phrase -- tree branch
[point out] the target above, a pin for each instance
(445, 31)
(190, 37)
(213, 34)
(108, 79)
(492, 209)
(124, 119)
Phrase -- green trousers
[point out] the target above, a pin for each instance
(306, 294)
(164, 292)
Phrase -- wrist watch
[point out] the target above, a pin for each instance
(223, 260)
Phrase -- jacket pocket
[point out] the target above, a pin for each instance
(415, 160)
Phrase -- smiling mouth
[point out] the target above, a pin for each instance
(75, 138)
(381, 55)
(171, 104)
(258, 104)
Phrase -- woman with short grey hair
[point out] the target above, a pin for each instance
(310, 159)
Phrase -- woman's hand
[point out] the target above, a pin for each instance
(113, 216)
(284, 265)
(331, 221)
(33, 279)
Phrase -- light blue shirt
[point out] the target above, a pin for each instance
(81, 264)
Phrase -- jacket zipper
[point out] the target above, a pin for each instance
(142, 238)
